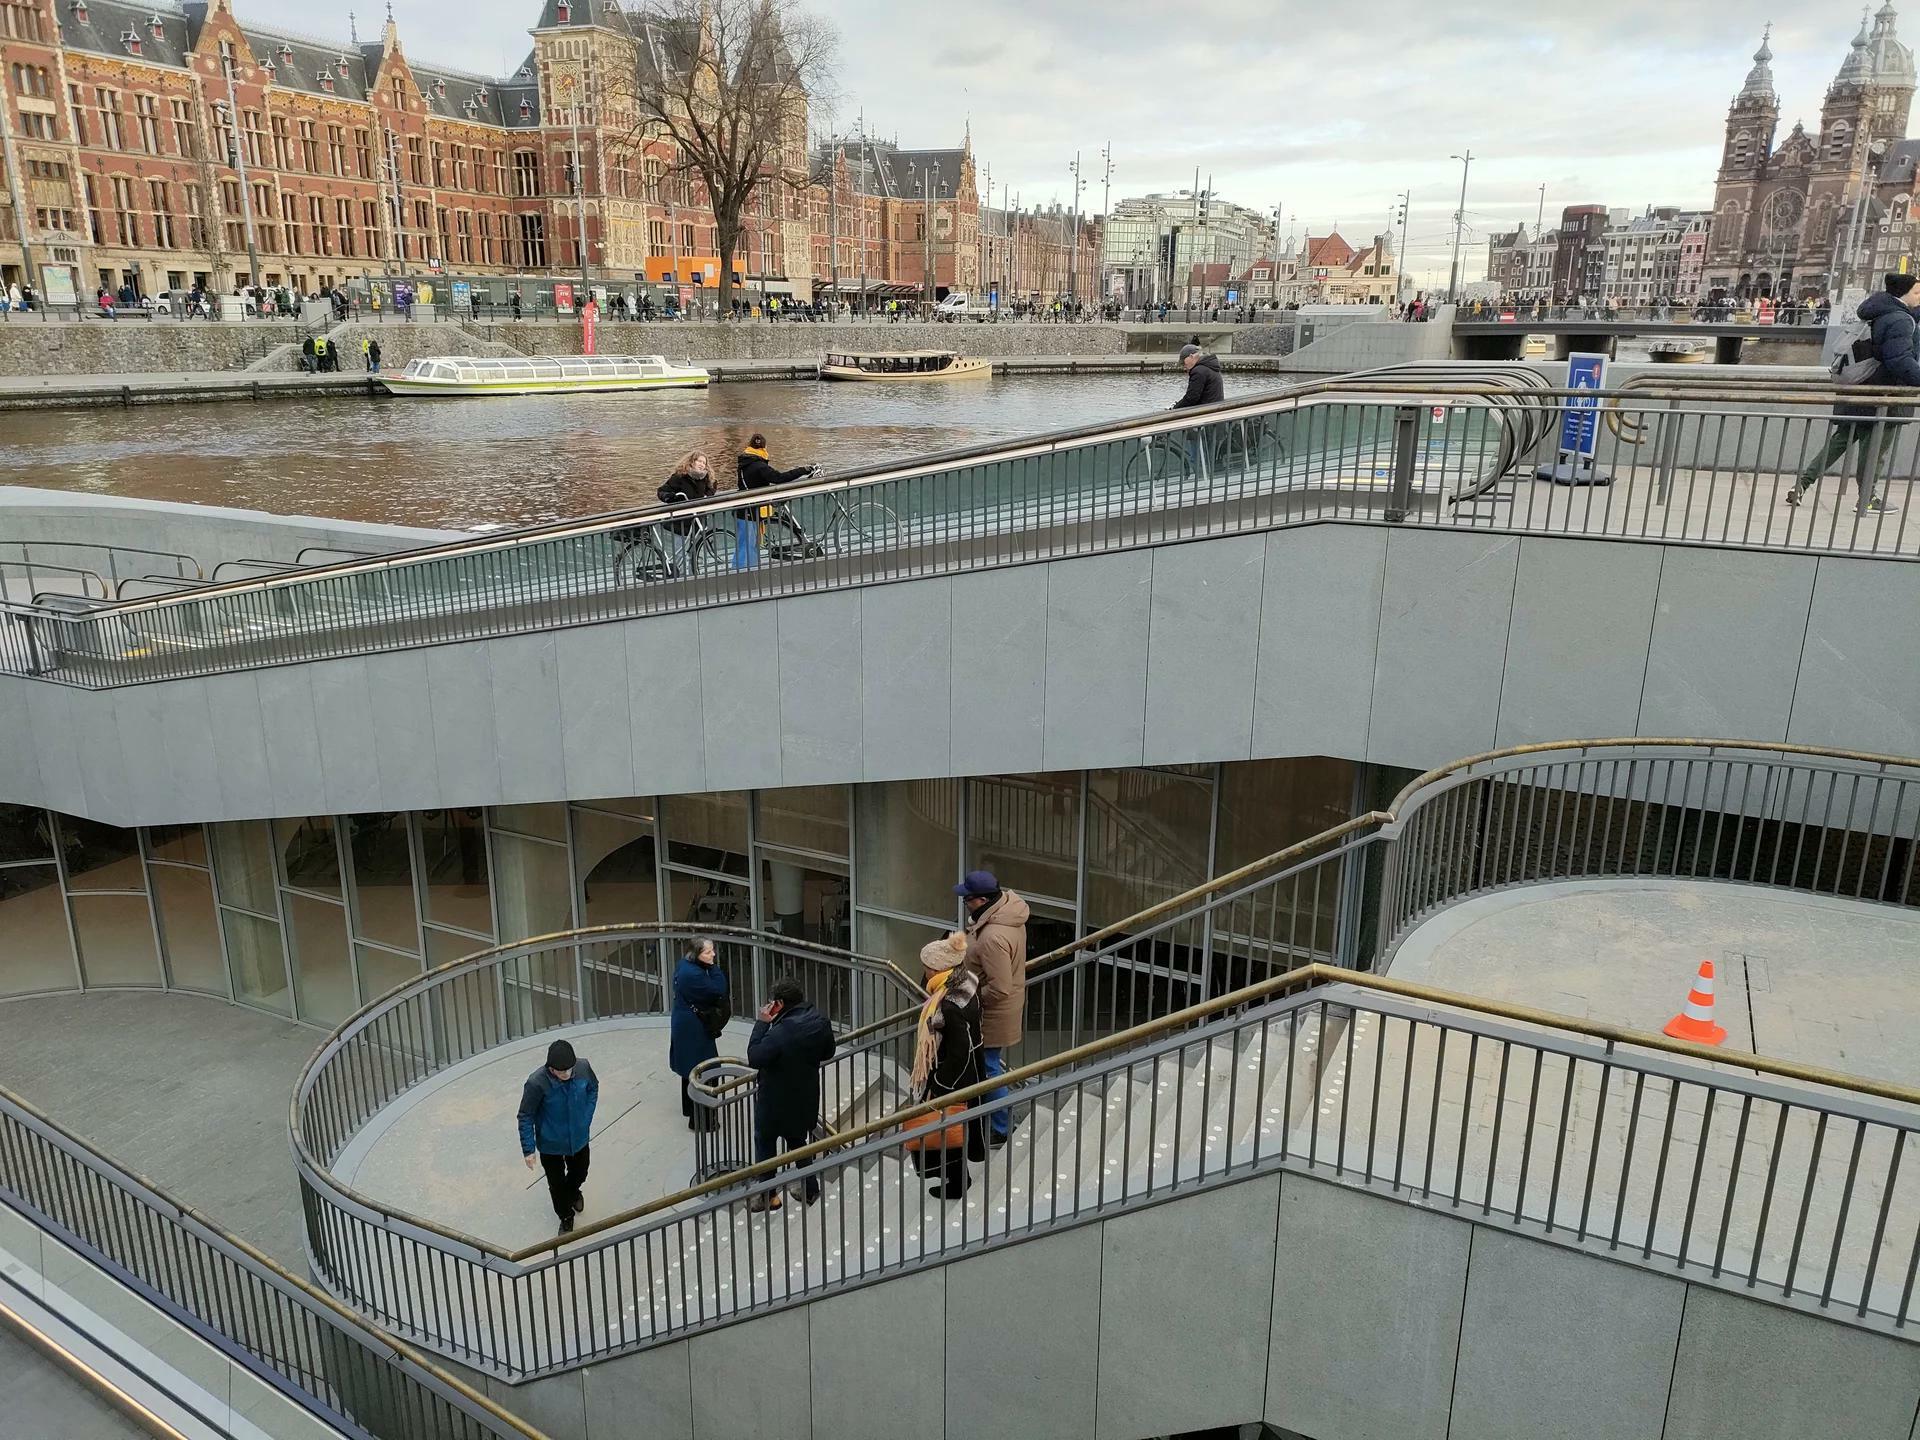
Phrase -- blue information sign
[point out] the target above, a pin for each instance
(1580, 422)
(1233, 297)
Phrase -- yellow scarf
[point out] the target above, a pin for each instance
(926, 1045)
(751, 451)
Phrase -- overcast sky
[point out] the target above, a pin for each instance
(1327, 109)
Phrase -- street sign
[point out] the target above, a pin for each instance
(1233, 297)
(1580, 422)
(462, 295)
(563, 299)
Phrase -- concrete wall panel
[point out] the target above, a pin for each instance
(51, 731)
(113, 786)
(1366, 1315)
(239, 747)
(1557, 1343)
(820, 705)
(666, 716)
(1577, 651)
(1199, 1271)
(1445, 610)
(753, 1379)
(906, 680)
(1763, 1372)
(877, 1371)
(19, 755)
(349, 759)
(1727, 641)
(1099, 608)
(294, 767)
(740, 694)
(403, 736)
(1032, 1317)
(651, 1392)
(526, 717)
(999, 671)
(557, 1405)
(465, 754)
(1319, 620)
(1860, 667)
(1200, 667)
(595, 713)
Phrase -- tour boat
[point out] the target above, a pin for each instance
(540, 375)
(903, 365)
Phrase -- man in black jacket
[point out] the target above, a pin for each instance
(1205, 385)
(791, 1041)
(1895, 341)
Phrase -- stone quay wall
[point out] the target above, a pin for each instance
(35, 347)
(126, 347)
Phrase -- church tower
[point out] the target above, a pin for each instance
(1751, 121)
(1867, 104)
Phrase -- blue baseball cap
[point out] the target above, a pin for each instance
(978, 883)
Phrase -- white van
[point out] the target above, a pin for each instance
(959, 306)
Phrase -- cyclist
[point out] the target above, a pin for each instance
(757, 472)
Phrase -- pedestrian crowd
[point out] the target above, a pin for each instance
(976, 981)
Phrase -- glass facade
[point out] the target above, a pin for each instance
(313, 916)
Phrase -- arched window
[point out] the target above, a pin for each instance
(1742, 147)
(1840, 144)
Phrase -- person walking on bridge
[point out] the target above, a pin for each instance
(556, 1122)
(1883, 351)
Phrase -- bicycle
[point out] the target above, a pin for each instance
(654, 552)
(860, 528)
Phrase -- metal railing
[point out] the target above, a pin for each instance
(1699, 469)
(321, 1356)
(1111, 1058)
(1820, 822)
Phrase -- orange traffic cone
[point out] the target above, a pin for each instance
(1695, 1020)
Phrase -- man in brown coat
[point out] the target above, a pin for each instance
(997, 951)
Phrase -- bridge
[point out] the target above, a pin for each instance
(1500, 334)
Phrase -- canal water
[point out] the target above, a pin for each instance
(507, 461)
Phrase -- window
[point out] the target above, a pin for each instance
(147, 109)
(1842, 141)
(163, 232)
(533, 242)
(363, 153)
(526, 174)
(317, 219)
(486, 238)
(309, 148)
(654, 171)
(196, 217)
(459, 167)
(185, 142)
(109, 116)
(416, 161)
(20, 20)
(31, 80)
(290, 214)
(263, 211)
(250, 123)
(656, 237)
(282, 151)
(464, 223)
(444, 247)
(439, 164)
(126, 226)
(499, 172)
(36, 126)
(343, 226)
(369, 226)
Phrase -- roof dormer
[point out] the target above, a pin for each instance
(526, 108)
(326, 81)
(342, 66)
(439, 88)
(156, 26)
(79, 12)
(130, 38)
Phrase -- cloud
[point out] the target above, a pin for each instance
(1328, 110)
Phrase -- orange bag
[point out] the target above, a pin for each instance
(927, 1133)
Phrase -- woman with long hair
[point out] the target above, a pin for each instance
(948, 1056)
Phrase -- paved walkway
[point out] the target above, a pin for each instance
(447, 1150)
(1832, 983)
(191, 1093)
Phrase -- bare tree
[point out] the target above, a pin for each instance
(728, 83)
(204, 213)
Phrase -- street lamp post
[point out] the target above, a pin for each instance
(16, 197)
(240, 169)
(569, 86)
(1459, 223)
(1400, 264)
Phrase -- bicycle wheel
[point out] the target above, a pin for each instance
(641, 560)
(711, 553)
(1141, 467)
(869, 526)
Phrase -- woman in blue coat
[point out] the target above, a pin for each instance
(699, 992)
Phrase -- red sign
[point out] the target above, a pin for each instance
(563, 299)
(589, 326)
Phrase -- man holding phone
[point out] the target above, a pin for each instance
(791, 1041)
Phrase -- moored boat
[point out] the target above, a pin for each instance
(905, 365)
(447, 375)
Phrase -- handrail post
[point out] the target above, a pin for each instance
(1406, 436)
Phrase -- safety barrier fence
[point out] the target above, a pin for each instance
(1706, 469)
(322, 1357)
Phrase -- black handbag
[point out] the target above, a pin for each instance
(715, 1017)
